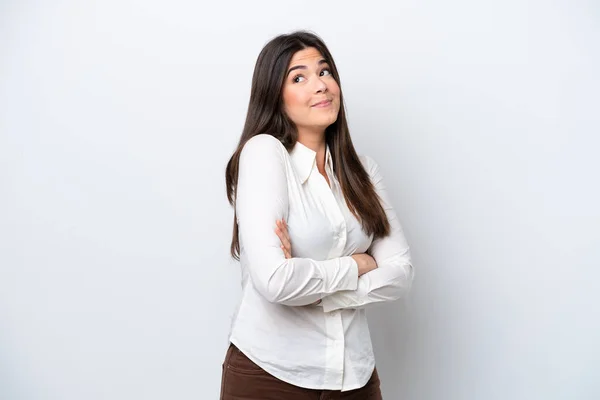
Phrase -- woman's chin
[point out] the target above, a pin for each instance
(326, 122)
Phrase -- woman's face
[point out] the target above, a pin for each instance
(311, 97)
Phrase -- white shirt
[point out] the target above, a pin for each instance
(327, 346)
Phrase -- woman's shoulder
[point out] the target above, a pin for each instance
(369, 164)
(263, 145)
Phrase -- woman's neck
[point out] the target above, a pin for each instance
(316, 142)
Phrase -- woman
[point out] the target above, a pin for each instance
(315, 233)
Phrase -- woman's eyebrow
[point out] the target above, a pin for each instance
(295, 67)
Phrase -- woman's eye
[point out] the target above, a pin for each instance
(325, 71)
(297, 78)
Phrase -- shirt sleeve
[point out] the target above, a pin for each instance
(261, 199)
(394, 274)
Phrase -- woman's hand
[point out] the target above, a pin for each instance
(286, 243)
(365, 262)
(284, 238)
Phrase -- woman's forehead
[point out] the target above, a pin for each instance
(307, 55)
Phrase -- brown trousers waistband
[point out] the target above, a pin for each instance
(242, 379)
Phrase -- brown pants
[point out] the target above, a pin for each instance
(242, 379)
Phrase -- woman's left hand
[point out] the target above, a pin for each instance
(286, 243)
(284, 238)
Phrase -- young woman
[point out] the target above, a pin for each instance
(316, 235)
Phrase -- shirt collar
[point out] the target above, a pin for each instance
(304, 159)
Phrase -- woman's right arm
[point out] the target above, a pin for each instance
(262, 199)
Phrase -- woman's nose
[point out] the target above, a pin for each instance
(321, 86)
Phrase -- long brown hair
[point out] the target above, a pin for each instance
(266, 115)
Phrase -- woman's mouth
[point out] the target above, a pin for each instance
(322, 104)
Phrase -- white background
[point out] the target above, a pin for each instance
(117, 119)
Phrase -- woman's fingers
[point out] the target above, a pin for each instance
(286, 245)
(285, 237)
(285, 230)
(288, 240)
(280, 235)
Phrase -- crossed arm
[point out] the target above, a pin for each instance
(342, 282)
(385, 274)
(365, 262)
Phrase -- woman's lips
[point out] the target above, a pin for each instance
(322, 104)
